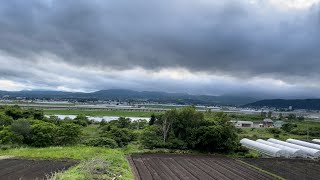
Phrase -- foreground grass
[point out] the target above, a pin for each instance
(100, 113)
(117, 164)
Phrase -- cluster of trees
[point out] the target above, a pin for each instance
(175, 129)
(188, 129)
(31, 127)
(117, 133)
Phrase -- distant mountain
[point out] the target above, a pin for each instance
(130, 95)
(311, 104)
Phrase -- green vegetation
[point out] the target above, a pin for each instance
(188, 129)
(101, 147)
(100, 113)
(116, 162)
(292, 129)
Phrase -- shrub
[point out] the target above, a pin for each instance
(8, 137)
(314, 131)
(44, 134)
(274, 131)
(82, 120)
(5, 120)
(288, 127)
(68, 133)
(121, 136)
(298, 131)
(101, 142)
(22, 128)
(151, 137)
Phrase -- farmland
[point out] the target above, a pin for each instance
(112, 161)
(99, 113)
(293, 169)
(14, 168)
(175, 167)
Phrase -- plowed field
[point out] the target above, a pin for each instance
(23, 169)
(189, 167)
(292, 169)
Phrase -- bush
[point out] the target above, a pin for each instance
(314, 131)
(151, 137)
(298, 131)
(8, 137)
(124, 122)
(22, 128)
(274, 131)
(5, 120)
(44, 134)
(68, 133)
(101, 142)
(288, 127)
(121, 136)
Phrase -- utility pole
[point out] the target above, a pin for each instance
(307, 131)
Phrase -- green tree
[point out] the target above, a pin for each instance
(44, 134)
(5, 120)
(152, 120)
(121, 136)
(124, 122)
(292, 117)
(288, 127)
(15, 112)
(68, 133)
(8, 137)
(81, 120)
(22, 127)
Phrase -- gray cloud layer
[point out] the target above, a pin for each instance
(232, 37)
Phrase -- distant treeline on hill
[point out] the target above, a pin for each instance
(310, 104)
(129, 95)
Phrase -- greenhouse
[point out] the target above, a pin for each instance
(289, 152)
(312, 153)
(262, 148)
(303, 143)
(316, 140)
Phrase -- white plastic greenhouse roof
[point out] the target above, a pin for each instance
(262, 148)
(289, 152)
(316, 140)
(303, 143)
(314, 153)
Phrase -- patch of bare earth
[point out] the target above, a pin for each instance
(293, 169)
(24, 169)
(190, 167)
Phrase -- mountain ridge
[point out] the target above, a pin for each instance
(125, 94)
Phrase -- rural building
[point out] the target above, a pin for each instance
(267, 123)
(243, 124)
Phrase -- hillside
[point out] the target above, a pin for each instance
(311, 104)
(130, 95)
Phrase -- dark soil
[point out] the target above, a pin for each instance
(189, 167)
(24, 169)
(292, 169)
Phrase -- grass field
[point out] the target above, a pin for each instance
(89, 157)
(263, 133)
(100, 113)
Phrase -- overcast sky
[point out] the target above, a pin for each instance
(216, 47)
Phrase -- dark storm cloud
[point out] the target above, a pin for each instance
(228, 37)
